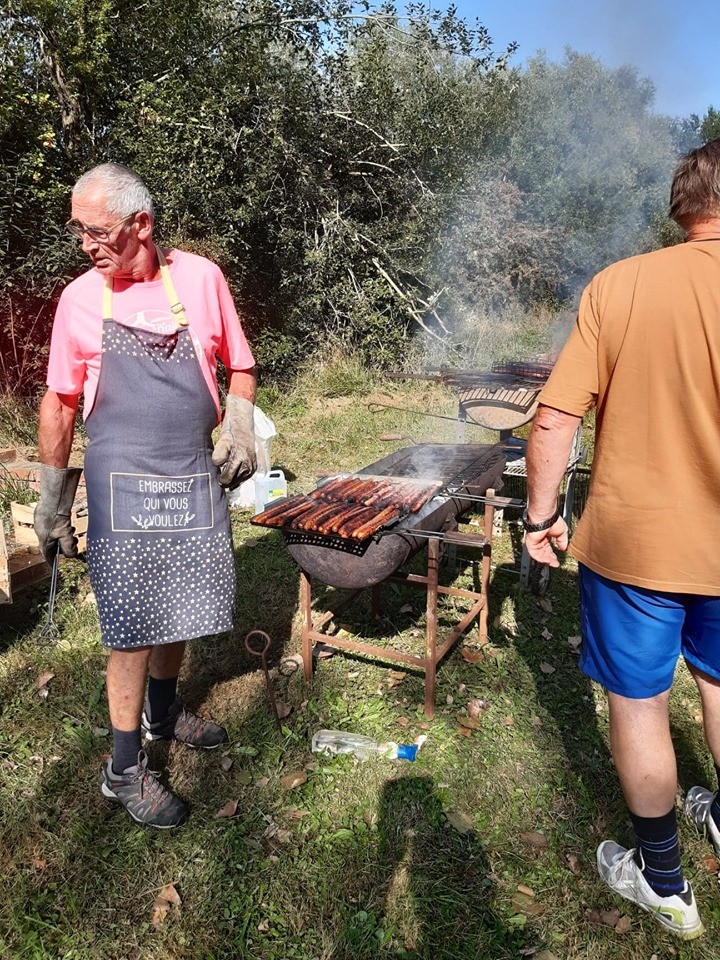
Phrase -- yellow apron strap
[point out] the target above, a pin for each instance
(176, 308)
(107, 299)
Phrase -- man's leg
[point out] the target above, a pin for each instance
(126, 673)
(645, 761)
(166, 719)
(165, 661)
(701, 803)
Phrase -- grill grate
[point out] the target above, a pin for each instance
(311, 538)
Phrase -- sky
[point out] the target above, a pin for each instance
(675, 45)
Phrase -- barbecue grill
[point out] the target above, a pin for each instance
(466, 475)
(466, 471)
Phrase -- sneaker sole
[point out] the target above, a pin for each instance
(109, 795)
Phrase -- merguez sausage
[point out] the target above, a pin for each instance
(379, 520)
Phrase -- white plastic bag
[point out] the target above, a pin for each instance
(244, 495)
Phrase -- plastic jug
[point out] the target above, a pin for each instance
(268, 487)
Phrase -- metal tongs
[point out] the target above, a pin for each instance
(50, 633)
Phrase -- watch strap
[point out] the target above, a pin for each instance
(539, 527)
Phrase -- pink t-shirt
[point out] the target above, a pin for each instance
(76, 343)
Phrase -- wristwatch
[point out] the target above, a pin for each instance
(538, 527)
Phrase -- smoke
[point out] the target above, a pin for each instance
(581, 181)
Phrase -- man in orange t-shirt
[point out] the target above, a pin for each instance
(645, 352)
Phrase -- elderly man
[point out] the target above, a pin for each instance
(646, 352)
(139, 335)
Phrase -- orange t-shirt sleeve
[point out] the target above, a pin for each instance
(573, 384)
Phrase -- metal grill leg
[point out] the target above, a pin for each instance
(306, 611)
(485, 569)
(431, 628)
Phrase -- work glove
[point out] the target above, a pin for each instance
(235, 452)
(52, 513)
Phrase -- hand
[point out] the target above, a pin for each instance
(539, 545)
(52, 513)
(235, 452)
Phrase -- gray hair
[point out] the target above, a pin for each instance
(124, 191)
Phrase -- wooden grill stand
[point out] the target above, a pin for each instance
(434, 650)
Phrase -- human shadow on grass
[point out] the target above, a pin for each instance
(267, 590)
(566, 695)
(423, 890)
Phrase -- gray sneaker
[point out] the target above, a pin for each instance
(185, 727)
(146, 800)
(677, 913)
(698, 801)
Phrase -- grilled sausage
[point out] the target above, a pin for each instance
(337, 510)
(348, 514)
(382, 488)
(311, 519)
(379, 520)
(291, 508)
(357, 520)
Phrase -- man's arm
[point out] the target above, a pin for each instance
(242, 383)
(56, 428)
(58, 482)
(548, 451)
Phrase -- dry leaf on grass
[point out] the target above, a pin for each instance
(536, 722)
(508, 721)
(283, 709)
(461, 821)
(263, 926)
(545, 634)
(464, 731)
(250, 542)
(277, 834)
(476, 707)
(229, 810)
(610, 917)
(623, 925)
(42, 681)
(470, 722)
(403, 722)
(294, 779)
(406, 608)
(547, 667)
(711, 863)
(39, 864)
(100, 731)
(323, 652)
(163, 904)
(424, 725)
(573, 865)
(226, 762)
(295, 813)
(527, 891)
(538, 841)
(546, 604)
(521, 903)
(575, 642)
(471, 656)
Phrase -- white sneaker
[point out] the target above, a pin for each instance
(698, 801)
(678, 913)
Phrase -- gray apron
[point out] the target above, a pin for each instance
(159, 547)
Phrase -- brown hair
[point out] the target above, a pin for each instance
(695, 191)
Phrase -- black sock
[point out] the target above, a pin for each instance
(658, 853)
(126, 747)
(160, 697)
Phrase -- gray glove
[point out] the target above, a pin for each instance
(235, 452)
(52, 513)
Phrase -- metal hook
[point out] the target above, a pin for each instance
(256, 652)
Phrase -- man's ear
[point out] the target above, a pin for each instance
(144, 222)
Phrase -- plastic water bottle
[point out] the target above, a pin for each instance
(331, 742)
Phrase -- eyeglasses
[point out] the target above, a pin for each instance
(101, 234)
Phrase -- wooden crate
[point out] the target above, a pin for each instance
(23, 516)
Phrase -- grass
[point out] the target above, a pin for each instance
(369, 865)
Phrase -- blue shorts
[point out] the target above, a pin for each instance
(632, 637)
